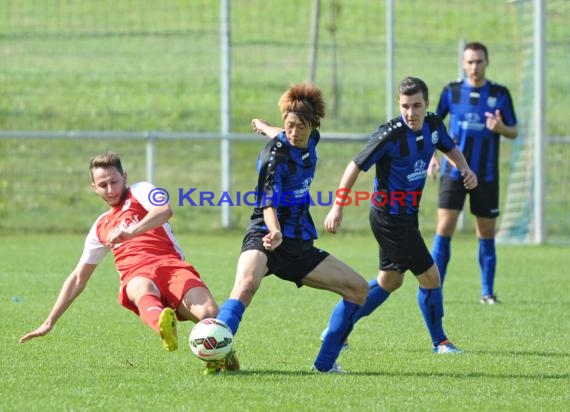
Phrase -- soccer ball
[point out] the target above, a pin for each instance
(211, 339)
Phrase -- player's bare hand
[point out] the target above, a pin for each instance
(257, 125)
(333, 219)
(469, 179)
(117, 236)
(272, 240)
(433, 167)
(41, 331)
(494, 121)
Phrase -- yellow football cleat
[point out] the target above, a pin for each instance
(213, 367)
(167, 327)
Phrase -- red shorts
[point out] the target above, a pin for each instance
(174, 280)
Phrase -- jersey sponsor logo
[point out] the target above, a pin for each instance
(420, 171)
(303, 190)
(472, 122)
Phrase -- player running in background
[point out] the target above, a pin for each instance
(156, 283)
(480, 112)
(401, 150)
(280, 235)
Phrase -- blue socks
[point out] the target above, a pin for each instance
(488, 263)
(376, 296)
(441, 253)
(431, 305)
(230, 313)
(344, 316)
(340, 326)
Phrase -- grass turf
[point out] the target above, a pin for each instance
(101, 357)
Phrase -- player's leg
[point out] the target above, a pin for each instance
(197, 304)
(336, 276)
(430, 301)
(450, 203)
(389, 234)
(251, 268)
(485, 206)
(487, 258)
(441, 250)
(144, 294)
(430, 298)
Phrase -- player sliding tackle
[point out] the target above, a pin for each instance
(156, 283)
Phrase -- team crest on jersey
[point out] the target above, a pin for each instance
(434, 137)
(419, 165)
(491, 101)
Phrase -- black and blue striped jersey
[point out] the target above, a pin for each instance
(466, 106)
(285, 176)
(402, 156)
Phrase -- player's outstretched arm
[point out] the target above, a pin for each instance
(72, 287)
(262, 127)
(334, 217)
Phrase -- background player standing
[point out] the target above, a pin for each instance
(480, 112)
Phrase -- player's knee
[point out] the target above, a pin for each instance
(391, 283)
(359, 292)
(244, 292)
(210, 310)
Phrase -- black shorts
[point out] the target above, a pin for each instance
(402, 246)
(292, 260)
(483, 200)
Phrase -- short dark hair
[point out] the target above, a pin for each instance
(413, 85)
(475, 45)
(106, 161)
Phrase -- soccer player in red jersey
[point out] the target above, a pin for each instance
(156, 283)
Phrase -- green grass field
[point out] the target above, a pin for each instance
(126, 67)
(101, 357)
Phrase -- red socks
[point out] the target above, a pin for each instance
(150, 308)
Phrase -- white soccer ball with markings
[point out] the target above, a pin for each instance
(211, 339)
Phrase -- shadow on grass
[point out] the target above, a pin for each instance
(273, 372)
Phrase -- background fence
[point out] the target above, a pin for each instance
(141, 66)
